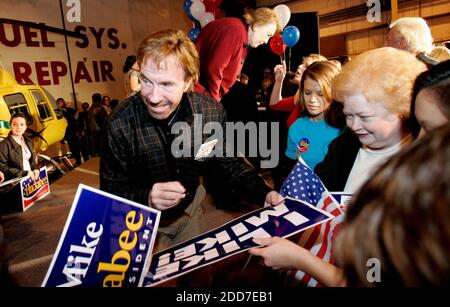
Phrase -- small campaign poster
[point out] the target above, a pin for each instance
(106, 242)
(286, 219)
(33, 190)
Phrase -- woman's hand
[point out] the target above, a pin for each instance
(279, 253)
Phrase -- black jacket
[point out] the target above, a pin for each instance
(337, 164)
(138, 152)
(11, 160)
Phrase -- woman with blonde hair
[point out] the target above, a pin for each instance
(375, 89)
(223, 46)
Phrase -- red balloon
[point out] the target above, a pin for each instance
(277, 45)
(211, 5)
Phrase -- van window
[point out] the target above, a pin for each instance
(17, 104)
(42, 106)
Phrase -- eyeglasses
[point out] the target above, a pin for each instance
(427, 59)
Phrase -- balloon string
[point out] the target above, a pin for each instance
(290, 54)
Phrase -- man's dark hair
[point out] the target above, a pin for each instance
(437, 79)
(129, 62)
(96, 98)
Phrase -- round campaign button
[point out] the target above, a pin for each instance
(303, 145)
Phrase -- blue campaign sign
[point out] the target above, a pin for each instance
(283, 220)
(107, 241)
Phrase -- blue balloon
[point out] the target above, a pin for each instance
(193, 33)
(291, 35)
(187, 10)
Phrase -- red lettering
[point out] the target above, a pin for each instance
(51, 73)
(82, 73)
(96, 74)
(29, 35)
(106, 68)
(41, 73)
(114, 41)
(44, 38)
(22, 72)
(84, 43)
(98, 36)
(15, 41)
(59, 69)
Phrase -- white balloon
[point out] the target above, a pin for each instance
(197, 10)
(206, 18)
(284, 13)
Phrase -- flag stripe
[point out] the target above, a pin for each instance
(303, 184)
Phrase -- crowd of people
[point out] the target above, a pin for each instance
(84, 127)
(376, 127)
(370, 110)
(399, 212)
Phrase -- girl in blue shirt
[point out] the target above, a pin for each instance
(321, 118)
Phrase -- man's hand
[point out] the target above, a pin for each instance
(165, 195)
(2, 177)
(273, 198)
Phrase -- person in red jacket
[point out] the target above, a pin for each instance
(223, 46)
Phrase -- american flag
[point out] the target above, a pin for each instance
(302, 183)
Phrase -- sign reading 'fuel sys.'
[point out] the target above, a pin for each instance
(70, 49)
(107, 241)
